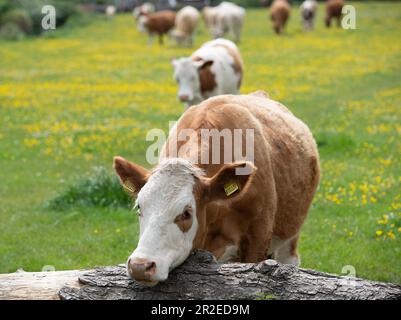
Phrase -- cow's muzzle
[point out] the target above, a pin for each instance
(142, 270)
(183, 97)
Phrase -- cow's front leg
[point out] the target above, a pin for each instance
(254, 246)
(285, 251)
(161, 39)
(150, 39)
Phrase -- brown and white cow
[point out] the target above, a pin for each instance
(215, 68)
(226, 18)
(308, 13)
(158, 23)
(186, 204)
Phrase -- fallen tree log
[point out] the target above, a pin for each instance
(36, 285)
(201, 277)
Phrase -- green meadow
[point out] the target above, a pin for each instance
(72, 99)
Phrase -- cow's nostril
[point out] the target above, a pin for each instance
(150, 265)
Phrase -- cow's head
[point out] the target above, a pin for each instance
(186, 73)
(171, 202)
(178, 36)
(142, 21)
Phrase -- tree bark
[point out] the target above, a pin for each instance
(199, 277)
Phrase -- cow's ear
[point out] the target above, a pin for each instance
(132, 176)
(201, 64)
(232, 180)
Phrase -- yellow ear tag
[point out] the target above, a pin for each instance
(129, 186)
(230, 188)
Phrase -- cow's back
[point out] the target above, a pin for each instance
(280, 137)
(294, 159)
(187, 19)
(227, 66)
(277, 131)
(161, 22)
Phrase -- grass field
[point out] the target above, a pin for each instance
(72, 100)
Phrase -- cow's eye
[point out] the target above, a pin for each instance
(186, 215)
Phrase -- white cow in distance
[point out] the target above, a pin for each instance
(186, 23)
(226, 18)
(110, 11)
(308, 12)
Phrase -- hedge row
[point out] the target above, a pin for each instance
(24, 17)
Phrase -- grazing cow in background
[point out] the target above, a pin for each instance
(209, 16)
(146, 7)
(279, 14)
(308, 12)
(239, 210)
(215, 68)
(226, 18)
(186, 23)
(334, 11)
(110, 11)
(159, 23)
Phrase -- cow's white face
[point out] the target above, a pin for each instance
(141, 23)
(167, 217)
(177, 36)
(186, 73)
(171, 205)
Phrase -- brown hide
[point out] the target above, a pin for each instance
(207, 78)
(160, 22)
(333, 11)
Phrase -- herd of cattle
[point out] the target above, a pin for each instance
(216, 67)
(185, 203)
(226, 18)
